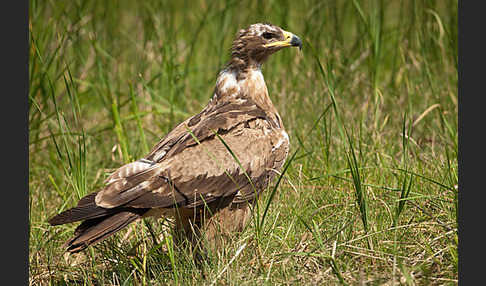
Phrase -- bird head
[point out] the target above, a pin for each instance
(253, 45)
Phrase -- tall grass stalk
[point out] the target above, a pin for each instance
(353, 165)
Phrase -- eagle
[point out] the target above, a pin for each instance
(210, 168)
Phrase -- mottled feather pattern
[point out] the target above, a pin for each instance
(129, 170)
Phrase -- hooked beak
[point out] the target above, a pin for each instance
(291, 40)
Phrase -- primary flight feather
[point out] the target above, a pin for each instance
(208, 168)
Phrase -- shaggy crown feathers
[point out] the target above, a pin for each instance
(248, 48)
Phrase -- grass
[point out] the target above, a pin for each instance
(370, 105)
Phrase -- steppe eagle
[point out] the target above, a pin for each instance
(210, 167)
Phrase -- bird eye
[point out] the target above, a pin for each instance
(267, 35)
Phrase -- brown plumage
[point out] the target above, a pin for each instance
(192, 174)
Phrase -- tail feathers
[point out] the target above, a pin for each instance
(98, 222)
(86, 209)
(80, 213)
(94, 230)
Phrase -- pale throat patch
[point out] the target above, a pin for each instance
(228, 84)
(255, 82)
(257, 77)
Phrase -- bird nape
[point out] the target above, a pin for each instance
(210, 168)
